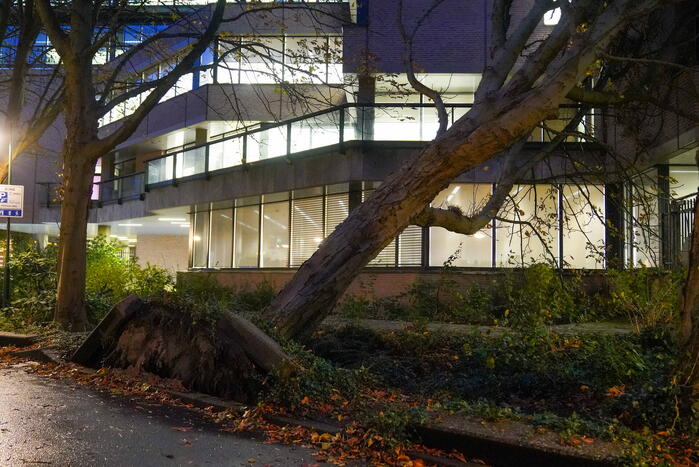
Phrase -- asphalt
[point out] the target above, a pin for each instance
(47, 422)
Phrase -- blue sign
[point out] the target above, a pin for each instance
(11, 200)
(10, 213)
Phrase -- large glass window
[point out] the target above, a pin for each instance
(531, 236)
(200, 243)
(272, 231)
(275, 59)
(307, 231)
(461, 250)
(261, 60)
(275, 235)
(684, 181)
(336, 211)
(583, 226)
(221, 252)
(644, 236)
(247, 236)
(410, 246)
(227, 153)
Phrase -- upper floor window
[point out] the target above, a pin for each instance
(552, 17)
(275, 59)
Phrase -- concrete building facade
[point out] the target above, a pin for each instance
(246, 167)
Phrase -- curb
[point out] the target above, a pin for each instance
(503, 453)
(204, 400)
(11, 339)
(37, 355)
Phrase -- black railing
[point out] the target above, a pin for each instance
(334, 126)
(118, 189)
(322, 129)
(678, 232)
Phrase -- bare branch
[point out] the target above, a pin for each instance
(409, 65)
(132, 122)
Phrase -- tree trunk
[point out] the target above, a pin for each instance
(320, 282)
(688, 335)
(70, 307)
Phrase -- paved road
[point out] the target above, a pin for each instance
(46, 422)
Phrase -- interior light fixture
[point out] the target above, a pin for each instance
(172, 219)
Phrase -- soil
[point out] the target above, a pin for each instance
(203, 356)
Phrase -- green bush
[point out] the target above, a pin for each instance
(33, 272)
(647, 297)
(540, 295)
(109, 278)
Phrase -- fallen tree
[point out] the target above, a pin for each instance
(514, 96)
(511, 100)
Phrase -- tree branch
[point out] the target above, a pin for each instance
(52, 26)
(131, 123)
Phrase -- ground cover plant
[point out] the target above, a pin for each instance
(530, 297)
(380, 384)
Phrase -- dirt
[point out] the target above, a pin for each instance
(202, 356)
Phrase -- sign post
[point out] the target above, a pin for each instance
(11, 205)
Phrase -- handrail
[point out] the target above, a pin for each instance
(120, 177)
(685, 197)
(312, 115)
(196, 160)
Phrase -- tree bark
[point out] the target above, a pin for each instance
(70, 307)
(503, 113)
(320, 281)
(688, 335)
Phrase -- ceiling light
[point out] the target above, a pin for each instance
(172, 219)
(130, 225)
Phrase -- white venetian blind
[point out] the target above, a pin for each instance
(306, 228)
(410, 246)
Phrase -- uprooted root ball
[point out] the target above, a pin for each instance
(203, 356)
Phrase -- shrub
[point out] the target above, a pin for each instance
(109, 278)
(536, 296)
(647, 297)
(628, 377)
(33, 272)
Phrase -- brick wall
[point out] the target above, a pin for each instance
(376, 282)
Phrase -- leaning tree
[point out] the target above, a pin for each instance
(525, 81)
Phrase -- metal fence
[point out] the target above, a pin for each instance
(678, 231)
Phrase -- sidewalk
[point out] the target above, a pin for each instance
(54, 423)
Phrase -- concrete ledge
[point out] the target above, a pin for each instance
(521, 446)
(37, 355)
(514, 443)
(11, 339)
